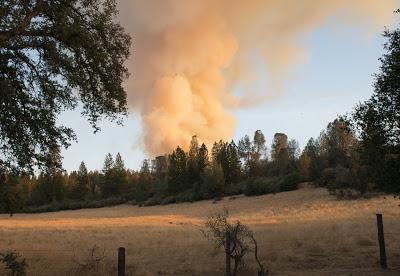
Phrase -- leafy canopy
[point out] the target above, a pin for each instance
(54, 55)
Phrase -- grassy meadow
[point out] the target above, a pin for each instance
(303, 232)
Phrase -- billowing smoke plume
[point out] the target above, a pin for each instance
(189, 54)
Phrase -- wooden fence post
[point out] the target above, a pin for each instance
(381, 239)
(121, 261)
(228, 253)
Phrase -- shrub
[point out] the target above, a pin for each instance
(267, 185)
(327, 177)
(289, 182)
(235, 188)
(74, 205)
(261, 185)
(341, 180)
(14, 263)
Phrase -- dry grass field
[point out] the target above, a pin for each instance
(305, 232)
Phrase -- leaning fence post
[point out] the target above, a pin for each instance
(381, 239)
(228, 253)
(121, 261)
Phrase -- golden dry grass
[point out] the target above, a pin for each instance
(305, 232)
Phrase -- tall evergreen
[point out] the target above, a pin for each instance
(82, 181)
(119, 174)
(193, 168)
(177, 172)
(107, 186)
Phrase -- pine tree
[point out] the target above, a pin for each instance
(193, 163)
(108, 163)
(177, 172)
(107, 186)
(202, 159)
(119, 163)
(82, 187)
(119, 175)
(143, 183)
(233, 169)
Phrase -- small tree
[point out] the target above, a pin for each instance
(242, 240)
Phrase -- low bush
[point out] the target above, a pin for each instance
(74, 205)
(14, 263)
(289, 182)
(260, 186)
(267, 185)
(235, 188)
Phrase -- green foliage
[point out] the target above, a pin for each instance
(10, 194)
(251, 154)
(378, 120)
(114, 176)
(245, 151)
(267, 185)
(260, 186)
(14, 263)
(94, 179)
(213, 182)
(143, 184)
(226, 155)
(310, 161)
(119, 175)
(74, 204)
(177, 172)
(196, 162)
(49, 188)
(289, 182)
(54, 55)
(79, 183)
(337, 143)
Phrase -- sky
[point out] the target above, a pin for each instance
(334, 76)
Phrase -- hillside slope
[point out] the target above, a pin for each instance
(304, 232)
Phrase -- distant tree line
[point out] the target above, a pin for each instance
(358, 151)
(339, 158)
(227, 169)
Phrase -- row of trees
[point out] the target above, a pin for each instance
(339, 158)
(360, 150)
(192, 175)
(355, 151)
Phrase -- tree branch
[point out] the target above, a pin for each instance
(6, 35)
